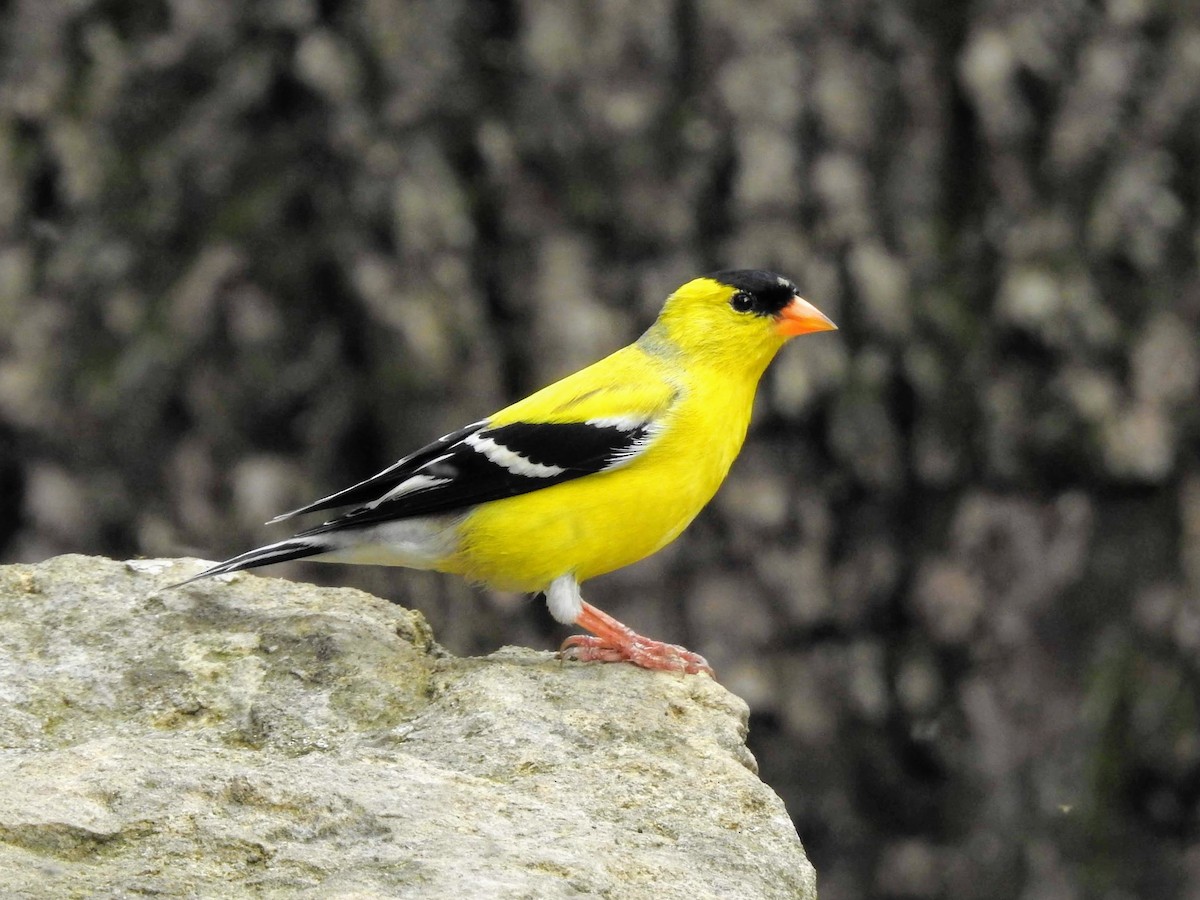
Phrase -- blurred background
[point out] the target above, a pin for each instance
(252, 252)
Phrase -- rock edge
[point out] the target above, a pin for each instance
(283, 739)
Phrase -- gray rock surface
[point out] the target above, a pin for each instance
(258, 737)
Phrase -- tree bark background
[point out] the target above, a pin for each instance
(251, 252)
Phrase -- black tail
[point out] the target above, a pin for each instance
(281, 551)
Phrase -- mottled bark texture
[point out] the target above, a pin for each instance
(252, 251)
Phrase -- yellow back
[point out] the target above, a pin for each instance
(695, 371)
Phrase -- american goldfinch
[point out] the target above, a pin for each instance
(587, 475)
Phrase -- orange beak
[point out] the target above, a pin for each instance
(801, 317)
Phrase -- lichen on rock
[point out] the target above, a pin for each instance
(284, 739)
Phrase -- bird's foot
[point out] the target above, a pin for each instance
(641, 652)
(614, 642)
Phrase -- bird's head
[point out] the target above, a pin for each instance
(737, 318)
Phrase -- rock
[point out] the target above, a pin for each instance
(281, 739)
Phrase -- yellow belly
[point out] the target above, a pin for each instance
(599, 523)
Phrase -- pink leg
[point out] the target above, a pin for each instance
(614, 642)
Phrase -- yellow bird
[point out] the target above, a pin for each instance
(587, 475)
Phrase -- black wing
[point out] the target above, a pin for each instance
(482, 463)
(382, 482)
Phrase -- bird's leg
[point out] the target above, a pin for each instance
(614, 642)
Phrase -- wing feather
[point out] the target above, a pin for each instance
(494, 463)
(380, 484)
(600, 418)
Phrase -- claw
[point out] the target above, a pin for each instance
(615, 642)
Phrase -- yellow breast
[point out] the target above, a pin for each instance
(602, 522)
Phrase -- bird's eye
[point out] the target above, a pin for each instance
(742, 302)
